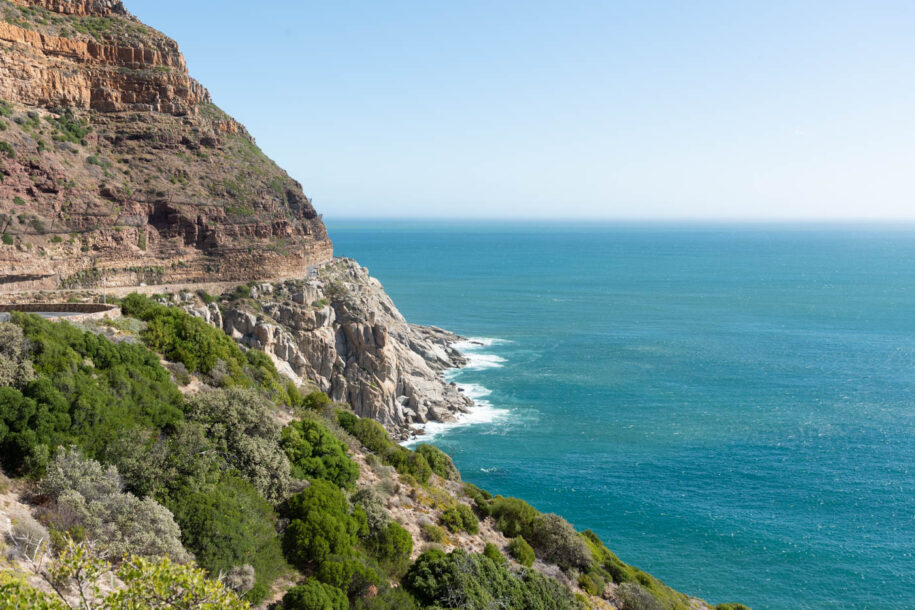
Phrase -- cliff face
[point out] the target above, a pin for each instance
(118, 170)
(341, 332)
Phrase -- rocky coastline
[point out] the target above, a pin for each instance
(341, 333)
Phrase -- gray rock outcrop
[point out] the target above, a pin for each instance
(341, 332)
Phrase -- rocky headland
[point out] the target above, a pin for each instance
(341, 332)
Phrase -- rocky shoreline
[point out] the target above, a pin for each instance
(342, 333)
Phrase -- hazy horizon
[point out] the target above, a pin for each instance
(540, 110)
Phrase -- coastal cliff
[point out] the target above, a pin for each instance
(231, 436)
(341, 332)
(116, 169)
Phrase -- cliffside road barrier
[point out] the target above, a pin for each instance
(74, 312)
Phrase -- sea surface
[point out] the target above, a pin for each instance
(731, 408)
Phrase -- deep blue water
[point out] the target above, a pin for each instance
(730, 408)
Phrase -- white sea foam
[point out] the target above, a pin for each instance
(482, 411)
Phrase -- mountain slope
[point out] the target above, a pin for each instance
(118, 170)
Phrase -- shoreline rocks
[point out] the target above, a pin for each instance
(342, 332)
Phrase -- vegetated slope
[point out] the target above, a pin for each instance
(116, 168)
(286, 495)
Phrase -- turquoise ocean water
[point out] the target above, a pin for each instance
(730, 408)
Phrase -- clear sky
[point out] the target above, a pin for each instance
(575, 109)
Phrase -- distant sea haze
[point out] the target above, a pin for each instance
(729, 407)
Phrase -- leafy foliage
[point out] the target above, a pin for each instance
(90, 497)
(240, 425)
(375, 438)
(184, 338)
(460, 517)
(15, 367)
(316, 454)
(521, 551)
(89, 391)
(321, 525)
(228, 524)
(514, 517)
(558, 542)
(144, 583)
(439, 461)
(463, 580)
(315, 595)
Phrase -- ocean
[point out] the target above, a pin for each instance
(730, 407)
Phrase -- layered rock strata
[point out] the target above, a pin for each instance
(117, 170)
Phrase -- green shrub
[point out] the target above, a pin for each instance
(480, 499)
(375, 438)
(439, 461)
(514, 517)
(460, 517)
(315, 400)
(228, 524)
(90, 497)
(317, 454)
(241, 292)
(633, 596)
(492, 551)
(731, 606)
(68, 128)
(239, 422)
(88, 393)
(18, 200)
(556, 541)
(321, 526)
(206, 297)
(314, 595)
(463, 580)
(7, 149)
(7, 239)
(521, 551)
(184, 338)
(391, 547)
(433, 533)
(592, 583)
(15, 367)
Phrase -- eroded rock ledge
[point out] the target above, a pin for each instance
(341, 331)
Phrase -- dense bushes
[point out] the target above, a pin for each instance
(375, 438)
(391, 546)
(463, 580)
(321, 526)
(460, 517)
(15, 366)
(521, 551)
(89, 392)
(228, 524)
(558, 542)
(514, 517)
(89, 498)
(439, 461)
(633, 596)
(315, 595)
(240, 425)
(433, 533)
(480, 499)
(316, 454)
(184, 338)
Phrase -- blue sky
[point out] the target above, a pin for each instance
(526, 110)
